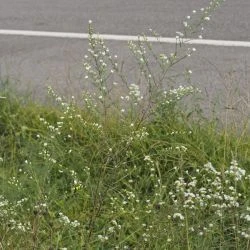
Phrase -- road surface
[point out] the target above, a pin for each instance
(35, 62)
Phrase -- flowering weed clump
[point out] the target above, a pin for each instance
(125, 167)
(72, 179)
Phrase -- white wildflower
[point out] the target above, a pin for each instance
(178, 215)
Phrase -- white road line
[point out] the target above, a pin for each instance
(124, 38)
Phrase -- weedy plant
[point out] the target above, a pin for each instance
(123, 171)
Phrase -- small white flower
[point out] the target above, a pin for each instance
(102, 238)
(179, 34)
(75, 223)
(185, 24)
(178, 215)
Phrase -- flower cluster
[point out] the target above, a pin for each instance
(236, 172)
(135, 93)
(137, 135)
(9, 215)
(210, 191)
(174, 95)
(67, 222)
(199, 18)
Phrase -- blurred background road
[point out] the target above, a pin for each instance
(34, 62)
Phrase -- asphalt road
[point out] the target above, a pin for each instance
(36, 62)
(128, 17)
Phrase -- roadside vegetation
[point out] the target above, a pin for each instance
(131, 165)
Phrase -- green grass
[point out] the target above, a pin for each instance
(119, 182)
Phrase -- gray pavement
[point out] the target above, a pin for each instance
(35, 62)
(129, 17)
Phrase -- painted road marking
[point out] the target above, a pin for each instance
(124, 38)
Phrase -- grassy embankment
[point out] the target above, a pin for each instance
(132, 172)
